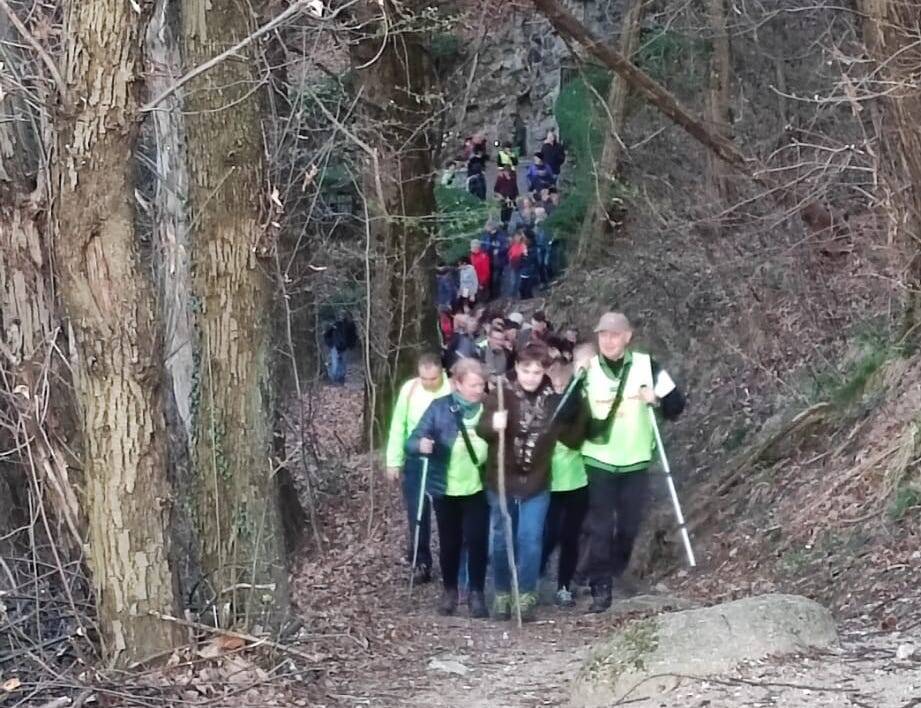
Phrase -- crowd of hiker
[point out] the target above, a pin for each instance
(521, 436)
(517, 253)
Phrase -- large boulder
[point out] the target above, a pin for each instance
(648, 657)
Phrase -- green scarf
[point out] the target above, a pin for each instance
(467, 409)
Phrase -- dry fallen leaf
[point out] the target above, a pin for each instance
(11, 684)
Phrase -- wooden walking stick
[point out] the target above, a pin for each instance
(503, 507)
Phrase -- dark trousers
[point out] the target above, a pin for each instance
(616, 506)
(563, 528)
(412, 481)
(527, 287)
(463, 522)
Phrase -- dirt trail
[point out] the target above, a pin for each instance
(374, 646)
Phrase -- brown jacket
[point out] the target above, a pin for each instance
(529, 440)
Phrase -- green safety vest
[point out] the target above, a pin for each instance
(506, 158)
(462, 477)
(412, 402)
(631, 442)
(567, 470)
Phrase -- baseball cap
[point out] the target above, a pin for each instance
(516, 317)
(613, 322)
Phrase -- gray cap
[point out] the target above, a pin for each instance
(613, 322)
(516, 317)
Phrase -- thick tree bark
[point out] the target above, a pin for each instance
(599, 215)
(649, 88)
(109, 300)
(891, 34)
(237, 506)
(396, 80)
(718, 95)
(28, 320)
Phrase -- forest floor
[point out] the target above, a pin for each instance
(373, 645)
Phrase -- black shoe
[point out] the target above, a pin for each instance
(477, 604)
(422, 574)
(601, 599)
(448, 603)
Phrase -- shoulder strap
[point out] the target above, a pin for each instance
(466, 435)
(604, 429)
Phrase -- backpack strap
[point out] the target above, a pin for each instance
(466, 435)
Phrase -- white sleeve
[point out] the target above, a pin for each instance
(663, 384)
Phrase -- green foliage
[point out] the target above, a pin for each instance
(848, 384)
(664, 53)
(581, 120)
(907, 498)
(445, 46)
(461, 217)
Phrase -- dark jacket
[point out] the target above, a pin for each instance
(460, 346)
(529, 438)
(506, 186)
(341, 335)
(554, 155)
(497, 245)
(446, 287)
(438, 423)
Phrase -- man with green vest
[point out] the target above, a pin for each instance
(620, 384)
(414, 398)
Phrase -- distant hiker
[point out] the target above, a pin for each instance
(543, 242)
(539, 175)
(445, 325)
(529, 401)
(445, 286)
(476, 167)
(468, 282)
(461, 345)
(506, 191)
(620, 384)
(516, 257)
(536, 330)
(554, 153)
(496, 244)
(447, 434)
(568, 501)
(415, 396)
(340, 337)
(507, 157)
(496, 359)
(528, 271)
(523, 217)
(482, 265)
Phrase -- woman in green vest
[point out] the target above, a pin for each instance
(620, 386)
(446, 434)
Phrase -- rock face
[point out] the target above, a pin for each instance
(518, 71)
(649, 656)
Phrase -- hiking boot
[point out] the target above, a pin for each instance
(422, 574)
(601, 599)
(502, 606)
(528, 604)
(564, 598)
(448, 603)
(477, 605)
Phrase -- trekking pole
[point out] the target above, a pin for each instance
(682, 526)
(419, 509)
(567, 394)
(507, 518)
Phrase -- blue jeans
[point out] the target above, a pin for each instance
(528, 529)
(412, 480)
(512, 281)
(336, 366)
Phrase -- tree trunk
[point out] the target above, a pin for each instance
(172, 267)
(890, 31)
(718, 96)
(28, 321)
(242, 547)
(109, 300)
(396, 80)
(594, 227)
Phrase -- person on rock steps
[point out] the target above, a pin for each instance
(620, 385)
(447, 434)
(415, 396)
